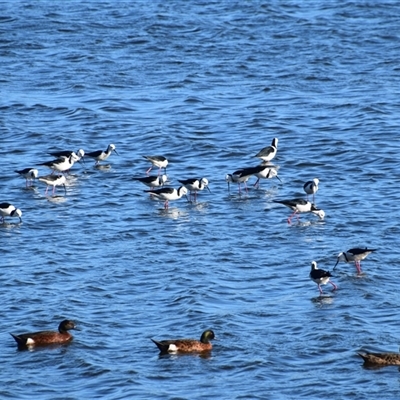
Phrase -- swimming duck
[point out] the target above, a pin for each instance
(43, 338)
(186, 345)
(380, 358)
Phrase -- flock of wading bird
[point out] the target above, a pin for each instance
(65, 160)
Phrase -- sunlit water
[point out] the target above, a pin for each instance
(206, 84)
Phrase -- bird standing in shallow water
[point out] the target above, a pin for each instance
(355, 255)
(242, 176)
(269, 152)
(194, 185)
(43, 338)
(168, 194)
(301, 206)
(53, 180)
(62, 164)
(30, 174)
(266, 172)
(79, 155)
(100, 155)
(186, 345)
(8, 210)
(311, 187)
(320, 277)
(157, 161)
(152, 181)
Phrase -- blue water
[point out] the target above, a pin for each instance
(206, 84)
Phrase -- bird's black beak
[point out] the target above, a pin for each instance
(208, 189)
(337, 262)
(279, 179)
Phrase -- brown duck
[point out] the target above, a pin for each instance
(186, 345)
(381, 358)
(43, 338)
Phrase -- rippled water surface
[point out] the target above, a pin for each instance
(206, 84)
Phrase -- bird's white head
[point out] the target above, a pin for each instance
(320, 213)
(229, 178)
(183, 190)
(164, 178)
(314, 265)
(17, 213)
(204, 181)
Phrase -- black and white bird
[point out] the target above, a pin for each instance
(242, 176)
(311, 187)
(168, 194)
(269, 152)
(80, 154)
(320, 276)
(30, 174)
(194, 185)
(152, 181)
(157, 161)
(61, 164)
(301, 206)
(266, 172)
(355, 255)
(8, 210)
(53, 180)
(101, 155)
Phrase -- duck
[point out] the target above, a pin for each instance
(186, 345)
(380, 358)
(355, 255)
(43, 338)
